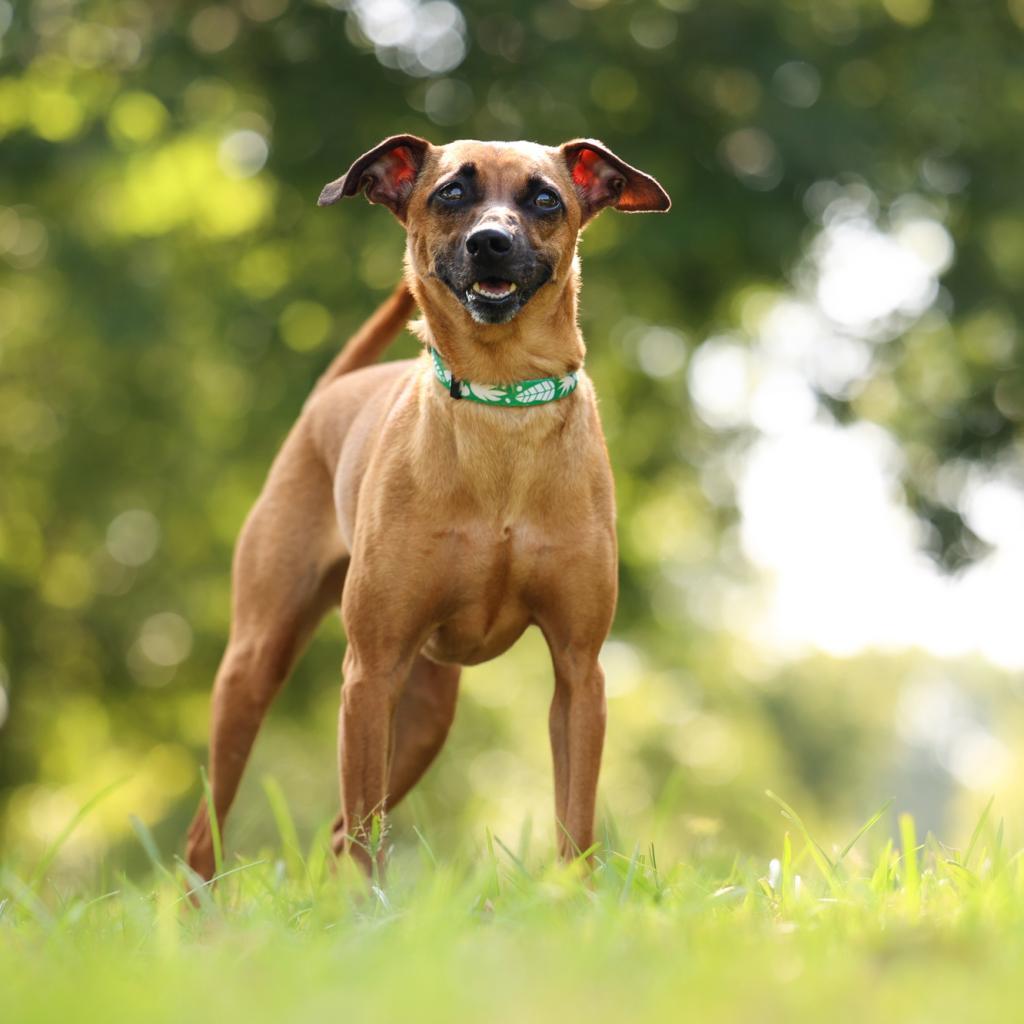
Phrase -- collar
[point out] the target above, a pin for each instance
(521, 393)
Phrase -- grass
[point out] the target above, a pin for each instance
(915, 931)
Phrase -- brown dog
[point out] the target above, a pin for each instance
(449, 504)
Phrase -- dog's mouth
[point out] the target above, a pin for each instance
(492, 290)
(492, 299)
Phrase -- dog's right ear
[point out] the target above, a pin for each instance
(387, 172)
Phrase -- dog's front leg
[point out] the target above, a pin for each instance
(577, 723)
(368, 700)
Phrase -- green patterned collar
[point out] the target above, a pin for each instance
(522, 393)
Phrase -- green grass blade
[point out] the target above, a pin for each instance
(425, 846)
(786, 872)
(879, 883)
(148, 843)
(627, 883)
(197, 887)
(572, 842)
(24, 895)
(865, 828)
(818, 855)
(320, 854)
(218, 851)
(50, 854)
(655, 875)
(201, 888)
(285, 824)
(911, 869)
(612, 838)
(521, 867)
(525, 836)
(494, 865)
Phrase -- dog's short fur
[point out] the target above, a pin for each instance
(444, 527)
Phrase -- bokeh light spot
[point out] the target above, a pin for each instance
(752, 156)
(214, 28)
(418, 38)
(797, 83)
(67, 581)
(263, 271)
(133, 537)
(909, 12)
(243, 153)
(661, 351)
(56, 115)
(264, 10)
(165, 639)
(653, 30)
(136, 117)
(304, 325)
(614, 89)
(720, 381)
(448, 101)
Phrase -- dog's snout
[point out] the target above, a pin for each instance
(489, 243)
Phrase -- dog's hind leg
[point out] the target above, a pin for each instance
(288, 571)
(423, 717)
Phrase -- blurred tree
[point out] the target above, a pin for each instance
(170, 292)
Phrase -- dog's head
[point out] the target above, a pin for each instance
(491, 223)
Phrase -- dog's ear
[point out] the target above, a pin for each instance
(387, 172)
(601, 179)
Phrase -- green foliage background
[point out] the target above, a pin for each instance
(163, 314)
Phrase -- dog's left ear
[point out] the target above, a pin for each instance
(602, 179)
(387, 172)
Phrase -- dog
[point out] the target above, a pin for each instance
(449, 501)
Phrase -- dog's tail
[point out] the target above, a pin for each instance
(368, 343)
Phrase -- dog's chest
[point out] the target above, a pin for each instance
(491, 572)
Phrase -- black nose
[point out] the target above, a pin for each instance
(489, 243)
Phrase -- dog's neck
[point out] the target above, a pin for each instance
(543, 340)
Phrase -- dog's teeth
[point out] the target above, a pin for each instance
(494, 292)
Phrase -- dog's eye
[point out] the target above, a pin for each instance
(452, 192)
(546, 199)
